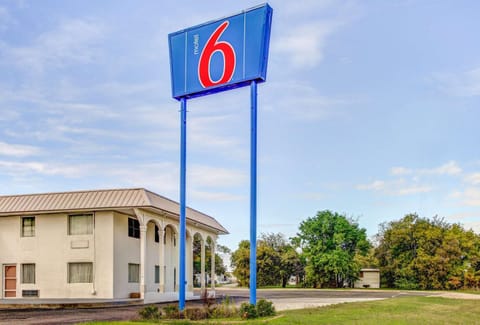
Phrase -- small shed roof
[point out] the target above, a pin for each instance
(114, 199)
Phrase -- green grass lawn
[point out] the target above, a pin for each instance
(402, 310)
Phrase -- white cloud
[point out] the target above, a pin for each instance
(464, 84)
(395, 188)
(201, 176)
(309, 106)
(162, 176)
(204, 182)
(416, 183)
(471, 196)
(305, 7)
(5, 19)
(473, 179)
(455, 195)
(215, 196)
(475, 226)
(449, 168)
(305, 45)
(315, 196)
(206, 132)
(374, 186)
(17, 150)
(400, 171)
(414, 189)
(16, 169)
(73, 41)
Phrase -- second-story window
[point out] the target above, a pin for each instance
(157, 237)
(133, 228)
(28, 227)
(80, 224)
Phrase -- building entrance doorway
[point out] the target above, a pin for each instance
(10, 281)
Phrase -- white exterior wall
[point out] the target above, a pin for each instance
(51, 249)
(126, 250)
(109, 248)
(104, 263)
(370, 278)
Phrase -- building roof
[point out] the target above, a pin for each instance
(115, 199)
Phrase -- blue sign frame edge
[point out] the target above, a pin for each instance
(221, 88)
(222, 18)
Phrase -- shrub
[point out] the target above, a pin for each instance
(454, 282)
(196, 313)
(265, 308)
(150, 313)
(248, 311)
(171, 311)
(207, 299)
(225, 309)
(406, 284)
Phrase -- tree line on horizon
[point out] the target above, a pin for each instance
(329, 250)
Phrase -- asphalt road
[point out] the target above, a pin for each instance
(315, 293)
(283, 299)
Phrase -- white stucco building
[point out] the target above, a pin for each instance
(103, 244)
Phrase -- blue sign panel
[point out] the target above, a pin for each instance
(222, 54)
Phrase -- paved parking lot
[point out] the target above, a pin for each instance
(283, 299)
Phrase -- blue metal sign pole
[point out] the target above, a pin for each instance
(253, 194)
(183, 165)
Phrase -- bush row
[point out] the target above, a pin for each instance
(226, 309)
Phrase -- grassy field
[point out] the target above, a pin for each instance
(402, 310)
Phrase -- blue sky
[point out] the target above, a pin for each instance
(370, 109)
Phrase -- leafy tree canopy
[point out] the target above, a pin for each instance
(421, 253)
(330, 243)
(277, 260)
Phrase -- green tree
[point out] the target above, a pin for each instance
(277, 260)
(241, 263)
(219, 264)
(330, 242)
(421, 253)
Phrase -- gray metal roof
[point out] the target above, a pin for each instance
(115, 199)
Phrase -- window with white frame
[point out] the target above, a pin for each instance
(80, 272)
(80, 224)
(28, 273)
(133, 273)
(28, 226)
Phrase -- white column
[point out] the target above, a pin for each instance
(161, 260)
(202, 265)
(212, 271)
(190, 265)
(143, 260)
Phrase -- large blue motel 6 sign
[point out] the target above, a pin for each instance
(221, 54)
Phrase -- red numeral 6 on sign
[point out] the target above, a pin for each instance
(212, 46)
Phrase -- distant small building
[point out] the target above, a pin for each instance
(368, 278)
